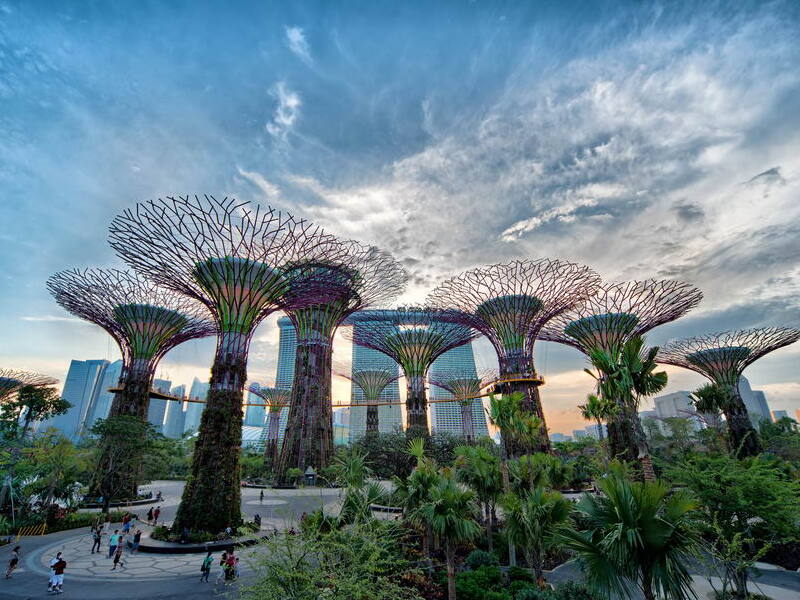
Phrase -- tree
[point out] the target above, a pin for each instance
(352, 471)
(636, 534)
(597, 409)
(452, 514)
(415, 490)
(479, 468)
(31, 404)
(532, 520)
(748, 504)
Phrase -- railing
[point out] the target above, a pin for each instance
(32, 530)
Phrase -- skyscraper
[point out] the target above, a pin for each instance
(102, 404)
(284, 378)
(254, 416)
(777, 415)
(390, 418)
(446, 416)
(194, 410)
(756, 403)
(676, 405)
(174, 420)
(158, 407)
(81, 388)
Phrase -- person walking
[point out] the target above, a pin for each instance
(137, 538)
(236, 568)
(156, 513)
(113, 542)
(12, 564)
(52, 581)
(205, 568)
(126, 523)
(222, 563)
(257, 520)
(97, 537)
(261, 497)
(230, 566)
(150, 516)
(58, 575)
(118, 559)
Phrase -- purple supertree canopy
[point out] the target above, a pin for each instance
(723, 356)
(371, 381)
(618, 311)
(12, 380)
(144, 319)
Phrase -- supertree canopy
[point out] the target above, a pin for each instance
(509, 303)
(722, 357)
(229, 255)
(605, 321)
(466, 387)
(322, 293)
(371, 382)
(414, 337)
(276, 399)
(11, 380)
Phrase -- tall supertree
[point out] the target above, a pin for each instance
(722, 357)
(509, 303)
(414, 337)
(323, 292)
(228, 255)
(11, 380)
(146, 321)
(605, 321)
(276, 399)
(371, 382)
(466, 387)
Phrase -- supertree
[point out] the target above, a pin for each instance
(276, 399)
(414, 337)
(615, 313)
(146, 321)
(229, 255)
(466, 386)
(323, 292)
(11, 380)
(371, 382)
(509, 303)
(722, 357)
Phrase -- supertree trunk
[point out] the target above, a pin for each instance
(271, 445)
(627, 440)
(309, 431)
(133, 400)
(211, 499)
(744, 440)
(372, 419)
(467, 422)
(416, 406)
(511, 368)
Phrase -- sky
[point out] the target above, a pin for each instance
(642, 139)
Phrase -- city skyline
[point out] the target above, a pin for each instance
(640, 141)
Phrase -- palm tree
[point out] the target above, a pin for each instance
(351, 470)
(636, 535)
(452, 514)
(597, 409)
(532, 520)
(710, 401)
(415, 489)
(479, 469)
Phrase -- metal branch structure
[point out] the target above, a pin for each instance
(722, 357)
(414, 337)
(229, 255)
(509, 303)
(11, 380)
(276, 399)
(466, 387)
(371, 382)
(615, 313)
(146, 321)
(322, 293)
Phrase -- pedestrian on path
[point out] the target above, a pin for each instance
(52, 582)
(126, 523)
(58, 575)
(205, 568)
(261, 497)
(222, 562)
(97, 537)
(156, 513)
(137, 538)
(150, 516)
(118, 559)
(230, 567)
(113, 542)
(12, 564)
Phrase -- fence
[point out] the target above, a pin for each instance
(32, 530)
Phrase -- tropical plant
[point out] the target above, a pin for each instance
(30, 404)
(636, 534)
(479, 469)
(597, 409)
(414, 490)
(532, 519)
(538, 470)
(452, 513)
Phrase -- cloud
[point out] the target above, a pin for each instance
(52, 319)
(286, 113)
(296, 40)
(271, 191)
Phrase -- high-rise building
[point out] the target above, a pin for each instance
(81, 388)
(390, 418)
(194, 410)
(284, 377)
(341, 416)
(446, 416)
(157, 409)
(676, 405)
(559, 437)
(254, 416)
(595, 431)
(755, 401)
(777, 415)
(579, 434)
(174, 419)
(102, 404)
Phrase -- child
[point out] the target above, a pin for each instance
(12, 564)
(205, 568)
(118, 559)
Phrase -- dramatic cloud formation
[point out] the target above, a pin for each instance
(286, 112)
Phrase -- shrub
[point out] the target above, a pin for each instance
(519, 574)
(77, 520)
(481, 558)
(566, 591)
(534, 593)
(484, 583)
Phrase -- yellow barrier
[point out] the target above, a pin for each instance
(32, 530)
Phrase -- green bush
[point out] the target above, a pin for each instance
(484, 583)
(533, 593)
(77, 520)
(566, 591)
(481, 558)
(519, 574)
